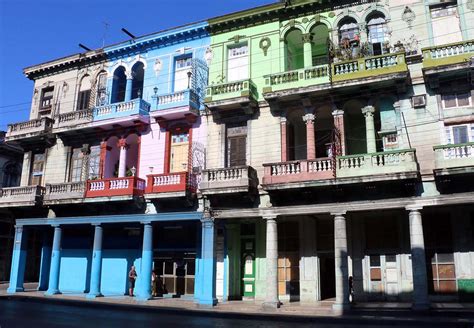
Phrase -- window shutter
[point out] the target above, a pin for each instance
(237, 151)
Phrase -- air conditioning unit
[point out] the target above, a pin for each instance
(418, 101)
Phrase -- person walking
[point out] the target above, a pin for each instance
(153, 283)
(132, 277)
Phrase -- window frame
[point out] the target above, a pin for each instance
(456, 94)
(49, 99)
(229, 48)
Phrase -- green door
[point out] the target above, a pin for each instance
(248, 267)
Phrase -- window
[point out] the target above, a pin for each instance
(181, 79)
(377, 34)
(237, 146)
(101, 96)
(84, 93)
(47, 99)
(458, 99)
(458, 134)
(445, 24)
(11, 175)
(94, 163)
(348, 30)
(37, 168)
(77, 159)
(237, 63)
(179, 152)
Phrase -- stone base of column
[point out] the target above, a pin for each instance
(340, 307)
(52, 292)
(13, 290)
(206, 304)
(94, 295)
(271, 305)
(420, 306)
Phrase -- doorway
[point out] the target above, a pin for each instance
(327, 279)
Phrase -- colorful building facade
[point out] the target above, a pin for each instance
(273, 154)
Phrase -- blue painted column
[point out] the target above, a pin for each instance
(17, 273)
(96, 269)
(55, 263)
(45, 261)
(144, 292)
(208, 265)
(128, 87)
(197, 273)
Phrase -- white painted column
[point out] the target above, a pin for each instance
(341, 265)
(368, 112)
(271, 298)
(25, 172)
(308, 261)
(122, 171)
(307, 50)
(418, 260)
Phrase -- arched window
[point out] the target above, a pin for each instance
(294, 58)
(348, 32)
(101, 89)
(84, 95)
(11, 175)
(319, 46)
(377, 32)
(119, 85)
(138, 74)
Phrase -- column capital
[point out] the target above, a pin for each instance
(269, 217)
(122, 143)
(283, 120)
(414, 208)
(129, 75)
(18, 229)
(337, 112)
(339, 213)
(307, 37)
(368, 110)
(56, 226)
(97, 224)
(146, 223)
(309, 118)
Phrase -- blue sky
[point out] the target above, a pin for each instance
(34, 31)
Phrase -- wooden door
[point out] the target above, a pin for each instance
(237, 151)
(179, 152)
(37, 169)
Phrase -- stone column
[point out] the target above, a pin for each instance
(55, 263)
(17, 273)
(96, 269)
(368, 112)
(271, 297)
(46, 250)
(418, 260)
(208, 263)
(128, 86)
(144, 293)
(310, 137)
(103, 158)
(122, 144)
(85, 162)
(26, 171)
(307, 39)
(284, 138)
(338, 115)
(341, 265)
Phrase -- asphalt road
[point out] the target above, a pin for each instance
(33, 313)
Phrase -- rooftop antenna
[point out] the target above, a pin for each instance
(84, 47)
(106, 29)
(124, 30)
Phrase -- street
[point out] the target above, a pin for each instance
(28, 313)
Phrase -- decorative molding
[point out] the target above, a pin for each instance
(264, 44)
(307, 37)
(408, 16)
(470, 5)
(157, 67)
(209, 55)
(237, 38)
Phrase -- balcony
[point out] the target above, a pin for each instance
(389, 65)
(388, 165)
(73, 119)
(119, 188)
(238, 95)
(171, 185)
(237, 179)
(122, 109)
(277, 84)
(33, 129)
(454, 159)
(454, 54)
(64, 193)
(296, 174)
(21, 196)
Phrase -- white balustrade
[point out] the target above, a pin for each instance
(97, 185)
(166, 180)
(321, 165)
(119, 184)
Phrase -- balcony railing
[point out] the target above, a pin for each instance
(448, 54)
(297, 79)
(28, 195)
(64, 191)
(29, 128)
(454, 156)
(74, 118)
(185, 98)
(171, 182)
(389, 162)
(229, 90)
(231, 179)
(369, 67)
(298, 171)
(122, 109)
(128, 186)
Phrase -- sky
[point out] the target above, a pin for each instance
(35, 31)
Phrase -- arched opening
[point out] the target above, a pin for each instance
(101, 89)
(377, 33)
(349, 37)
(296, 135)
(388, 123)
(319, 47)
(11, 175)
(112, 163)
(323, 127)
(138, 74)
(119, 85)
(83, 98)
(294, 54)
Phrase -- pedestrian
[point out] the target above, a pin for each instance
(153, 283)
(351, 288)
(132, 277)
